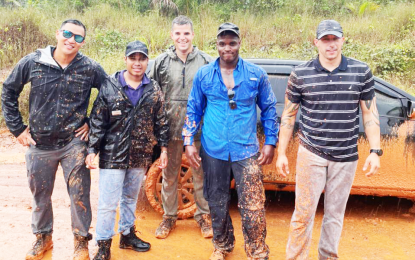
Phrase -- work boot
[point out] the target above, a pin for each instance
(205, 224)
(131, 241)
(42, 244)
(81, 247)
(104, 250)
(217, 255)
(165, 227)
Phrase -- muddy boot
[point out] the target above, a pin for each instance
(81, 247)
(165, 227)
(205, 224)
(42, 244)
(217, 255)
(131, 241)
(104, 250)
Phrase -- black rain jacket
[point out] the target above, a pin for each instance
(123, 134)
(58, 99)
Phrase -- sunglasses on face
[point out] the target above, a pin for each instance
(68, 34)
(232, 103)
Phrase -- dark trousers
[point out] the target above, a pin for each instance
(41, 172)
(251, 198)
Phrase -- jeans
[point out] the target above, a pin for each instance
(313, 175)
(113, 185)
(251, 198)
(41, 172)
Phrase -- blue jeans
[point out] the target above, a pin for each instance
(113, 185)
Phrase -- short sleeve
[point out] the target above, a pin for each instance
(368, 90)
(293, 91)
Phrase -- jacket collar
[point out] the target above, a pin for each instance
(45, 56)
(171, 51)
(114, 81)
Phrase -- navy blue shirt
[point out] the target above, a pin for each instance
(231, 133)
(133, 94)
(329, 121)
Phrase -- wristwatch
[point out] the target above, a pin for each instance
(379, 152)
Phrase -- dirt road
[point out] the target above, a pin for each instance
(374, 229)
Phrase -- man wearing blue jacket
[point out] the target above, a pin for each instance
(225, 93)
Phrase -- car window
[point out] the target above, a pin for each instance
(279, 84)
(388, 105)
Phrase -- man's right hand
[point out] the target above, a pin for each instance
(282, 165)
(25, 138)
(192, 156)
(89, 161)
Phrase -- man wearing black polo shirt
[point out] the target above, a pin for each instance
(329, 90)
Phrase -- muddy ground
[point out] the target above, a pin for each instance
(375, 228)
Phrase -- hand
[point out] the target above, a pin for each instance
(89, 161)
(267, 154)
(163, 161)
(83, 132)
(25, 138)
(374, 162)
(282, 165)
(192, 156)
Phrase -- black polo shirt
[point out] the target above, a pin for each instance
(329, 121)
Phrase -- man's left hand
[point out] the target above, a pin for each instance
(83, 132)
(267, 154)
(374, 162)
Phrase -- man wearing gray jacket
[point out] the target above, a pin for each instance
(174, 71)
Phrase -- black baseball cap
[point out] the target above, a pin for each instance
(327, 27)
(228, 27)
(136, 46)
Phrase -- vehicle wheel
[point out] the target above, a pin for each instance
(187, 205)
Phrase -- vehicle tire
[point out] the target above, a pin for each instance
(187, 205)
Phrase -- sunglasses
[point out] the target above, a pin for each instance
(232, 103)
(68, 34)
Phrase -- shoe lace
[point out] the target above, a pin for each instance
(167, 223)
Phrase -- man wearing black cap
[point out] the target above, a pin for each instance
(329, 90)
(128, 117)
(226, 93)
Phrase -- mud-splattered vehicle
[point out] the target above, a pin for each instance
(397, 173)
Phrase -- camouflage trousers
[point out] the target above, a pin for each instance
(251, 198)
(41, 172)
(313, 175)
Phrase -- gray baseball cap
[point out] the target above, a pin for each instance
(327, 27)
(228, 27)
(136, 46)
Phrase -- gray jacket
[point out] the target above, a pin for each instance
(176, 79)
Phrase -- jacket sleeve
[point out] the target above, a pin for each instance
(99, 122)
(195, 109)
(99, 77)
(161, 124)
(12, 88)
(267, 103)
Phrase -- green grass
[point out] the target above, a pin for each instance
(383, 38)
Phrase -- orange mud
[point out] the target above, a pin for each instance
(374, 228)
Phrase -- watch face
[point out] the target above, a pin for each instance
(379, 152)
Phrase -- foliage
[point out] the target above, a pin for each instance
(384, 38)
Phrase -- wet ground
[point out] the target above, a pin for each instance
(375, 228)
